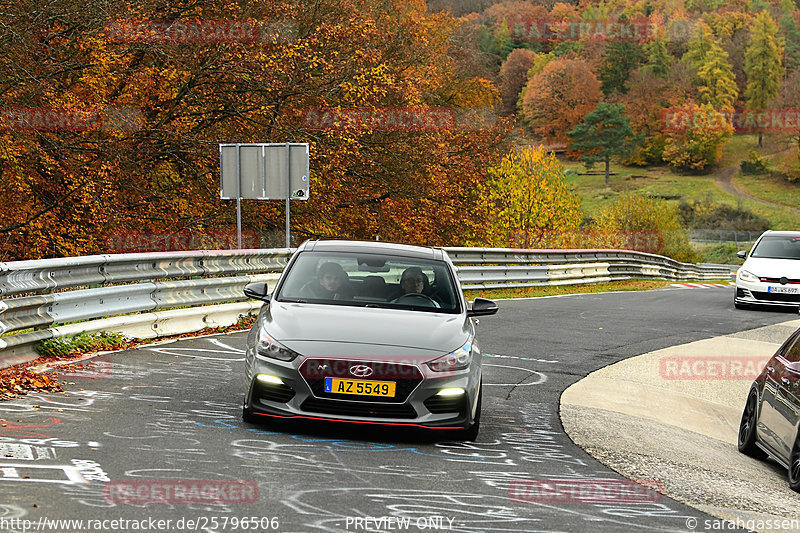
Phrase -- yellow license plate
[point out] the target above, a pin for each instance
(360, 387)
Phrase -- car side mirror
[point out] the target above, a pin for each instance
(741, 254)
(258, 291)
(482, 307)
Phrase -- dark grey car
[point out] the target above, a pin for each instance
(771, 416)
(366, 333)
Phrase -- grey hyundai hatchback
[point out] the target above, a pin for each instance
(366, 333)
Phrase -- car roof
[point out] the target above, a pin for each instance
(773, 233)
(378, 247)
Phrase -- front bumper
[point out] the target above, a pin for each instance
(761, 293)
(299, 397)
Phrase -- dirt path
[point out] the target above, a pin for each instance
(724, 180)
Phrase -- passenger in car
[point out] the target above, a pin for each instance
(331, 283)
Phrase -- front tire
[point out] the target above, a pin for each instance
(747, 428)
(794, 466)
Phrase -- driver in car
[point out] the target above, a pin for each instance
(414, 281)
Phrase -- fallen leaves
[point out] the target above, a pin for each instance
(41, 375)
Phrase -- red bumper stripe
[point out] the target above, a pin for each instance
(357, 421)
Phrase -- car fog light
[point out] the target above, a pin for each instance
(272, 380)
(455, 391)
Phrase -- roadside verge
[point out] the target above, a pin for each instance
(673, 416)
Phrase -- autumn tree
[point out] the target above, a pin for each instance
(715, 79)
(656, 219)
(558, 98)
(530, 201)
(513, 76)
(763, 64)
(648, 100)
(789, 98)
(149, 159)
(604, 133)
(695, 137)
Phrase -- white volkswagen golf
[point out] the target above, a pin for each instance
(770, 274)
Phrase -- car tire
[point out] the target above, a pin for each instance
(471, 433)
(794, 466)
(747, 428)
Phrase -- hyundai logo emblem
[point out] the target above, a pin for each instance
(361, 371)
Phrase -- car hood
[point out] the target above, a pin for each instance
(335, 330)
(773, 268)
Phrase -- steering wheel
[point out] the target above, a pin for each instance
(416, 298)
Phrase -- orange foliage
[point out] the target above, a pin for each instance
(557, 99)
(150, 162)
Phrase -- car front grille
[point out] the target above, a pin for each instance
(361, 409)
(775, 296)
(405, 376)
(778, 280)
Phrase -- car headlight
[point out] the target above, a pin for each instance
(456, 360)
(744, 275)
(269, 347)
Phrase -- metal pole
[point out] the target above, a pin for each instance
(288, 193)
(238, 197)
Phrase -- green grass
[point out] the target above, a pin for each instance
(771, 188)
(82, 343)
(663, 182)
(723, 253)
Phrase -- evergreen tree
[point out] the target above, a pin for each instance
(503, 42)
(715, 79)
(619, 59)
(659, 60)
(792, 42)
(762, 63)
(604, 132)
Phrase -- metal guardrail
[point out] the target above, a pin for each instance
(61, 297)
(743, 238)
(156, 294)
(489, 268)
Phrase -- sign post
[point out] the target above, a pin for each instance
(264, 171)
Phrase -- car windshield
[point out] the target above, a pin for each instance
(370, 280)
(777, 247)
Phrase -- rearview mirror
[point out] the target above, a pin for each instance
(258, 291)
(741, 254)
(482, 307)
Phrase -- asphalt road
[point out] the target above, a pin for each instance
(163, 422)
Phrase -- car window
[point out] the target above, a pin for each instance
(377, 280)
(777, 247)
(793, 353)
